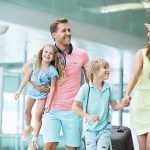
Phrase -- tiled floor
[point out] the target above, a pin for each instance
(13, 142)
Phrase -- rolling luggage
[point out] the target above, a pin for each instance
(121, 138)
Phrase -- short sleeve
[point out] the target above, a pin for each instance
(52, 72)
(31, 67)
(82, 93)
(112, 93)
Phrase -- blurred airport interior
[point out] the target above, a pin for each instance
(109, 29)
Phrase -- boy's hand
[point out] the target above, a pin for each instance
(93, 118)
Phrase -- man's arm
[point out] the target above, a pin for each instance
(86, 61)
(44, 88)
(85, 75)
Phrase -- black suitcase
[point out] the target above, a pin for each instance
(121, 138)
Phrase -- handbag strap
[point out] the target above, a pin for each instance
(87, 99)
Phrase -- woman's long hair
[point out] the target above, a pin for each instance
(148, 51)
(57, 62)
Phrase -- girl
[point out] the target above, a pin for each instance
(44, 70)
(96, 98)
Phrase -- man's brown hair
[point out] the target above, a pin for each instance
(55, 23)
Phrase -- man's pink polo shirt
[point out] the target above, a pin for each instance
(65, 93)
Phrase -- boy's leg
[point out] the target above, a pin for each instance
(104, 139)
(90, 140)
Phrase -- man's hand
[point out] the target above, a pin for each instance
(47, 107)
(44, 88)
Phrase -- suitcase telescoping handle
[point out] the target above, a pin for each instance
(121, 129)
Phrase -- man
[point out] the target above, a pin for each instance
(61, 114)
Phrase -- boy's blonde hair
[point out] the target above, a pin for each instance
(94, 65)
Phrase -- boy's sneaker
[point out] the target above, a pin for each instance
(33, 145)
(26, 133)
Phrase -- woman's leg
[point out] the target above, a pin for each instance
(142, 141)
(148, 141)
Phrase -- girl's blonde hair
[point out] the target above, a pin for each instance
(94, 65)
(57, 62)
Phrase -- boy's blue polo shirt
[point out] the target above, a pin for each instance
(97, 104)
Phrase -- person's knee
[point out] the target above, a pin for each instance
(104, 143)
(70, 148)
(27, 112)
(50, 146)
(38, 117)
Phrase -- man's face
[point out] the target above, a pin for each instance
(63, 34)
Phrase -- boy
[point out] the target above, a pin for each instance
(99, 95)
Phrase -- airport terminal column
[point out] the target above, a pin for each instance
(121, 85)
(1, 97)
(22, 145)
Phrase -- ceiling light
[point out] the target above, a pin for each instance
(118, 7)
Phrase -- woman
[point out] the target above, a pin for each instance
(140, 104)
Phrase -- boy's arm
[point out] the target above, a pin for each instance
(76, 107)
(116, 105)
(51, 95)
